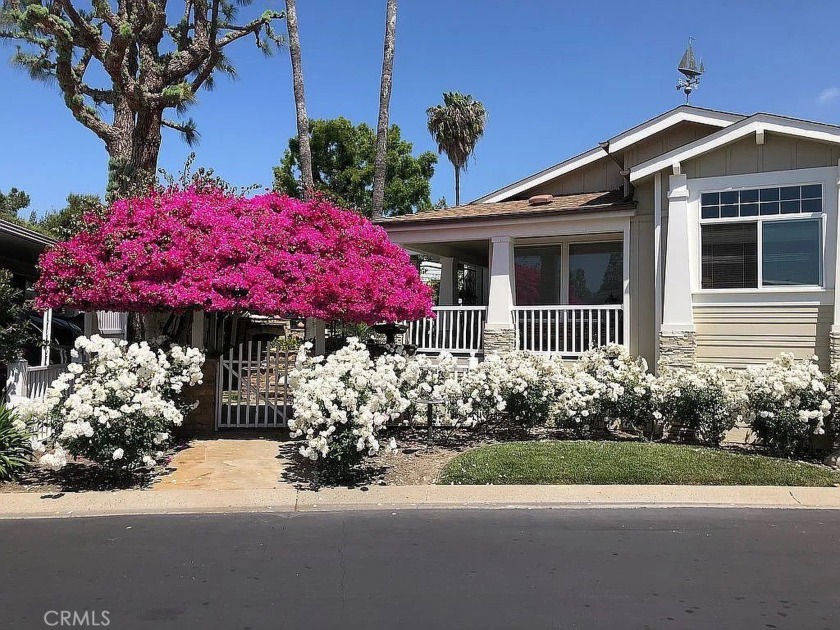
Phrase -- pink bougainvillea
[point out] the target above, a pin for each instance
(205, 249)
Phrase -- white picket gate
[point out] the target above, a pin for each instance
(252, 388)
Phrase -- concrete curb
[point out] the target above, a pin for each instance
(132, 502)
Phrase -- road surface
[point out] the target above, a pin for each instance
(584, 568)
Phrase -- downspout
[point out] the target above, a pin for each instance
(629, 189)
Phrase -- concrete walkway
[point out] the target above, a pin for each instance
(231, 462)
(287, 499)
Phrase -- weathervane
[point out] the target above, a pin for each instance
(688, 67)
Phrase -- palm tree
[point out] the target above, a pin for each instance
(456, 127)
(300, 100)
(379, 164)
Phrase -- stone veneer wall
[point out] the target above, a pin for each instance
(499, 340)
(834, 346)
(202, 419)
(677, 349)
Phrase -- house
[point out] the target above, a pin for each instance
(698, 235)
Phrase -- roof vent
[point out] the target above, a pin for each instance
(539, 200)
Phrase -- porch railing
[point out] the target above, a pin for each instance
(456, 329)
(568, 330)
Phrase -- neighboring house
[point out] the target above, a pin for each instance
(697, 235)
(20, 248)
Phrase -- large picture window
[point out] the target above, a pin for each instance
(750, 240)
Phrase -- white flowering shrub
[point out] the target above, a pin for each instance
(342, 404)
(700, 402)
(118, 408)
(788, 403)
(519, 385)
(577, 400)
(424, 378)
(627, 387)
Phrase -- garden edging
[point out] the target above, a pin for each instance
(137, 502)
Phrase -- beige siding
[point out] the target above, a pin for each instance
(642, 324)
(668, 140)
(602, 174)
(741, 335)
(778, 153)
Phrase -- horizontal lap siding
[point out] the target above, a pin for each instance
(737, 336)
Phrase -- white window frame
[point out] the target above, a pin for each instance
(759, 221)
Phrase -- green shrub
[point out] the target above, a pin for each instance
(15, 444)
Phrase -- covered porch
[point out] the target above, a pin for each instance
(547, 282)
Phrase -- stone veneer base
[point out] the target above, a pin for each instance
(677, 349)
(498, 340)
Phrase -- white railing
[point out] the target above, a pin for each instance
(456, 329)
(111, 323)
(32, 382)
(568, 330)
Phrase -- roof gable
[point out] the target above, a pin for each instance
(757, 123)
(683, 113)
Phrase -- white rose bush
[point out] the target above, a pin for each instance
(700, 402)
(789, 402)
(343, 403)
(118, 408)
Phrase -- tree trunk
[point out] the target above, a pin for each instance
(380, 165)
(457, 186)
(300, 101)
(133, 155)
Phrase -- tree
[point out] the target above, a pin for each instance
(14, 330)
(343, 165)
(379, 168)
(147, 66)
(12, 201)
(186, 249)
(300, 99)
(456, 127)
(70, 220)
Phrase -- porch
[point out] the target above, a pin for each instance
(560, 293)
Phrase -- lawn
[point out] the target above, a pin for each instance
(586, 462)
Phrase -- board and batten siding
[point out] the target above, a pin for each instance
(778, 153)
(739, 335)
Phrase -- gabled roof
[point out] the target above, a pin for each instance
(24, 234)
(562, 204)
(683, 113)
(761, 122)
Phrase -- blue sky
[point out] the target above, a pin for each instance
(556, 77)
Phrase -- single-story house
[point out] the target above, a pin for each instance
(698, 235)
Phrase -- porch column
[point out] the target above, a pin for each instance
(677, 336)
(316, 330)
(448, 291)
(834, 335)
(499, 332)
(197, 337)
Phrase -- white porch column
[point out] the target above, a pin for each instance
(834, 335)
(657, 259)
(197, 338)
(499, 332)
(677, 340)
(448, 281)
(485, 284)
(46, 336)
(316, 329)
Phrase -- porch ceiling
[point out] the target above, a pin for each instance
(473, 252)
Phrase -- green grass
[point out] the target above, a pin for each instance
(586, 462)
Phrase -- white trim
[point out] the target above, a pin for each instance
(755, 123)
(683, 113)
(657, 260)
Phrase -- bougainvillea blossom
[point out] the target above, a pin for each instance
(206, 249)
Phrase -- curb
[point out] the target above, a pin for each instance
(289, 500)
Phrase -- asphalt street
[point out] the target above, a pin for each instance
(585, 568)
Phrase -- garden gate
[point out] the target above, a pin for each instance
(252, 388)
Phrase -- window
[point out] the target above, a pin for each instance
(537, 276)
(750, 240)
(729, 256)
(596, 273)
(753, 202)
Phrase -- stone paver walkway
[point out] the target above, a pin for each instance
(227, 462)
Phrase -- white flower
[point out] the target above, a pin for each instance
(118, 454)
